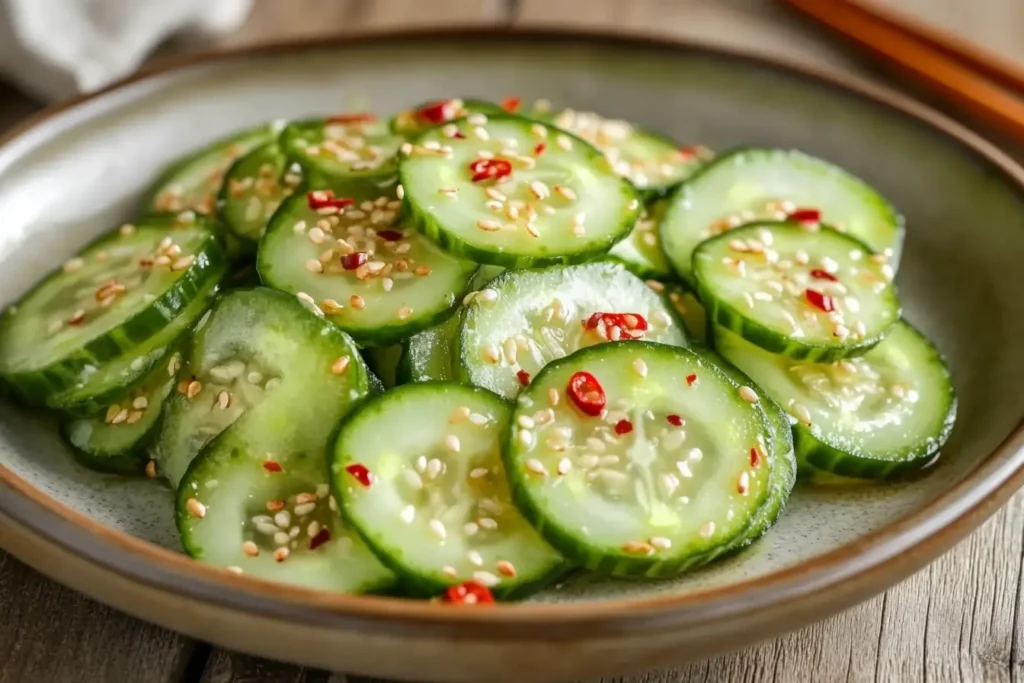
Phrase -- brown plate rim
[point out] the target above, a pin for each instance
(883, 556)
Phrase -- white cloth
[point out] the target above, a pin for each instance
(58, 48)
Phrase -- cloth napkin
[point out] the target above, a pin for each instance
(54, 49)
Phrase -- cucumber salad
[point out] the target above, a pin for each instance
(462, 352)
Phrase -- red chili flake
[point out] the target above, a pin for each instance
(632, 324)
(755, 458)
(539, 149)
(690, 379)
(490, 169)
(675, 420)
(820, 274)
(354, 260)
(360, 474)
(321, 537)
(805, 215)
(349, 119)
(390, 235)
(325, 199)
(819, 300)
(587, 393)
(469, 593)
(623, 427)
(436, 112)
(688, 152)
(511, 104)
(524, 377)
(459, 135)
(272, 466)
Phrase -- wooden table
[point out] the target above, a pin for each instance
(956, 620)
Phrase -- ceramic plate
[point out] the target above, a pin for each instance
(81, 169)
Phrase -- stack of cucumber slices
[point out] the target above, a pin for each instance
(463, 352)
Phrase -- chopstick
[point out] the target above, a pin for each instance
(984, 85)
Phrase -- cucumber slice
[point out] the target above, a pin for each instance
(806, 292)
(383, 363)
(372, 277)
(540, 195)
(254, 188)
(525, 319)
(631, 468)
(882, 414)
(353, 149)
(751, 184)
(192, 183)
(254, 344)
(641, 250)
(106, 301)
(437, 508)
(115, 440)
(114, 379)
(415, 120)
(688, 309)
(653, 163)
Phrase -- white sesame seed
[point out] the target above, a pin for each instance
(486, 578)
(564, 465)
(526, 422)
(564, 142)
(707, 529)
(434, 468)
(452, 443)
(438, 528)
(748, 394)
(475, 558)
(281, 554)
(526, 437)
(487, 523)
(488, 225)
(478, 419)
(413, 478)
(195, 508)
(489, 295)
(250, 549)
(660, 542)
(233, 569)
(640, 367)
(408, 514)
(478, 472)
(553, 396)
(536, 466)
(491, 354)
(505, 568)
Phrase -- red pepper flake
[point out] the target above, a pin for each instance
(325, 199)
(805, 215)
(390, 235)
(820, 274)
(755, 458)
(350, 119)
(587, 393)
(354, 260)
(321, 537)
(459, 135)
(511, 104)
(623, 427)
(539, 149)
(469, 593)
(632, 325)
(690, 379)
(490, 169)
(675, 420)
(818, 300)
(360, 474)
(524, 377)
(272, 466)
(437, 112)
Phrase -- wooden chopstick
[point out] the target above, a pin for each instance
(983, 85)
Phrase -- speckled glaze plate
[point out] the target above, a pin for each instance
(79, 169)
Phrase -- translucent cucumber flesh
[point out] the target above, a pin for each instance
(647, 160)
(893, 403)
(803, 283)
(762, 184)
(523, 320)
(370, 275)
(417, 119)
(661, 481)
(641, 250)
(336, 148)
(438, 509)
(553, 198)
(255, 187)
(689, 309)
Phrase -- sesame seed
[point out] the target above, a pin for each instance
(193, 388)
(283, 519)
(404, 312)
(408, 514)
(488, 225)
(438, 529)
(486, 578)
(475, 558)
(539, 190)
(356, 302)
(505, 568)
(460, 414)
(640, 367)
(491, 354)
(250, 549)
(564, 465)
(748, 394)
(223, 400)
(743, 485)
(281, 554)
(195, 508)
(314, 266)
(151, 469)
(74, 264)
(637, 548)
(413, 478)
(801, 413)
(478, 419)
(707, 529)
(234, 570)
(526, 422)
(448, 570)
(535, 466)
(564, 142)
(487, 523)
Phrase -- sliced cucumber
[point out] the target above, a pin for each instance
(254, 188)
(806, 292)
(687, 307)
(431, 498)
(641, 250)
(515, 192)
(350, 149)
(882, 414)
(524, 319)
(255, 344)
(769, 184)
(653, 163)
(115, 440)
(371, 276)
(192, 183)
(415, 120)
(633, 459)
(113, 296)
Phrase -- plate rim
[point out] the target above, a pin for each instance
(879, 558)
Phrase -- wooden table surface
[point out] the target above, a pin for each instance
(955, 620)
